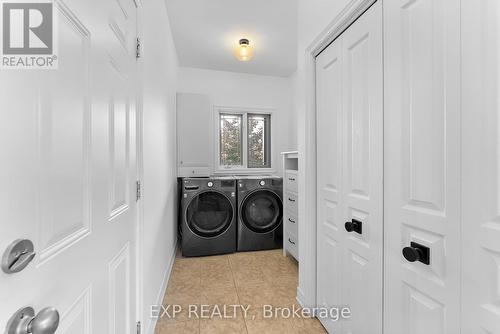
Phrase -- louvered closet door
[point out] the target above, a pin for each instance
(350, 156)
(422, 165)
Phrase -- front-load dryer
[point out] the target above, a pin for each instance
(208, 216)
(260, 213)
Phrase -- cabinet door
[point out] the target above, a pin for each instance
(193, 134)
(481, 166)
(422, 165)
(350, 148)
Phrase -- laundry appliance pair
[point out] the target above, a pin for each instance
(226, 214)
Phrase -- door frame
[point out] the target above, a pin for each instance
(139, 134)
(306, 291)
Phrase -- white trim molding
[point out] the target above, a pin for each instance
(306, 291)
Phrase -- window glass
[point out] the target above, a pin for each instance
(259, 141)
(244, 140)
(231, 140)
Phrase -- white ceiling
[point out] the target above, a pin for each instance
(207, 31)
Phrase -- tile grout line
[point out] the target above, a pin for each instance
(199, 274)
(236, 288)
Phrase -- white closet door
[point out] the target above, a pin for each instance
(350, 148)
(481, 166)
(422, 165)
(329, 173)
(362, 106)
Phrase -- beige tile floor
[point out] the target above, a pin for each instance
(250, 279)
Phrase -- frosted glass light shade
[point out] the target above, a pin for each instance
(244, 51)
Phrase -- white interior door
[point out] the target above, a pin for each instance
(350, 169)
(68, 166)
(480, 166)
(422, 165)
(363, 171)
(329, 174)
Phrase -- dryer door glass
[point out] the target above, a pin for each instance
(209, 214)
(262, 211)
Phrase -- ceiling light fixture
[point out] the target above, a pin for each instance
(244, 51)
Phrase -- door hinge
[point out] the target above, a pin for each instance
(138, 190)
(138, 47)
(138, 327)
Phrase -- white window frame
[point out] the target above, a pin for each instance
(240, 169)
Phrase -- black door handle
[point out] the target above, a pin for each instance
(291, 221)
(293, 243)
(417, 252)
(354, 226)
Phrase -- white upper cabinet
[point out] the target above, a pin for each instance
(193, 135)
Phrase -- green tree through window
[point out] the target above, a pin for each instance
(258, 141)
(230, 140)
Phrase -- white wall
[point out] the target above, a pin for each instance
(293, 137)
(313, 17)
(160, 71)
(246, 90)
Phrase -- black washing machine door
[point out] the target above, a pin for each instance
(262, 211)
(209, 214)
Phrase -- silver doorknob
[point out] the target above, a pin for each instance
(24, 321)
(45, 322)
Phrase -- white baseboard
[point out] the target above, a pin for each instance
(159, 299)
(300, 297)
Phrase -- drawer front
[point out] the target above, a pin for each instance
(292, 181)
(291, 202)
(292, 245)
(193, 171)
(291, 223)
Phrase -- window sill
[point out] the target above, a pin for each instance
(245, 171)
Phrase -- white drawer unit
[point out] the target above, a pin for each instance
(291, 204)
